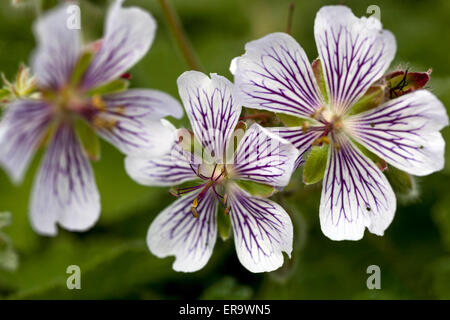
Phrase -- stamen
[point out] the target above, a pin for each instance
(305, 126)
(98, 103)
(321, 140)
(194, 212)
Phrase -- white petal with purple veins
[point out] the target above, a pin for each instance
(22, 129)
(301, 138)
(134, 133)
(264, 157)
(176, 232)
(275, 74)
(128, 35)
(58, 48)
(64, 191)
(355, 52)
(262, 231)
(405, 132)
(211, 108)
(171, 169)
(355, 194)
(143, 103)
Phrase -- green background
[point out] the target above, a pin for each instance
(414, 254)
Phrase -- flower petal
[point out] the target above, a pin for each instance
(405, 132)
(128, 35)
(262, 231)
(211, 108)
(355, 52)
(275, 74)
(176, 232)
(133, 129)
(355, 194)
(144, 103)
(301, 138)
(171, 169)
(22, 129)
(64, 191)
(58, 48)
(264, 157)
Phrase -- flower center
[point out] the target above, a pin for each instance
(332, 121)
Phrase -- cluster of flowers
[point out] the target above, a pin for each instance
(346, 119)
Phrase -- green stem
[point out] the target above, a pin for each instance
(180, 36)
(289, 20)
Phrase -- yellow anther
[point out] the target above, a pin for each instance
(195, 203)
(317, 113)
(227, 210)
(102, 123)
(337, 146)
(120, 110)
(98, 102)
(321, 140)
(194, 212)
(305, 126)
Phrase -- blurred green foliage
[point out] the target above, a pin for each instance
(414, 254)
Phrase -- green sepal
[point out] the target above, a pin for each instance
(371, 99)
(5, 95)
(224, 225)
(315, 164)
(89, 140)
(114, 86)
(402, 183)
(256, 189)
(320, 79)
(80, 68)
(292, 121)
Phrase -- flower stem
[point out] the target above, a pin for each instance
(180, 36)
(290, 16)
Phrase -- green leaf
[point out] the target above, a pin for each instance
(9, 260)
(81, 66)
(224, 225)
(371, 99)
(256, 189)
(315, 165)
(114, 86)
(89, 140)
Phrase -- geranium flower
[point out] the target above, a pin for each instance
(187, 229)
(276, 75)
(71, 81)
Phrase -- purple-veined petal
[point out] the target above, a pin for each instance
(133, 131)
(355, 52)
(128, 35)
(301, 138)
(262, 231)
(176, 232)
(64, 191)
(264, 157)
(170, 169)
(143, 103)
(355, 194)
(405, 132)
(275, 74)
(22, 129)
(212, 110)
(58, 48)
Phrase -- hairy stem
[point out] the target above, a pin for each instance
(180, 36)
